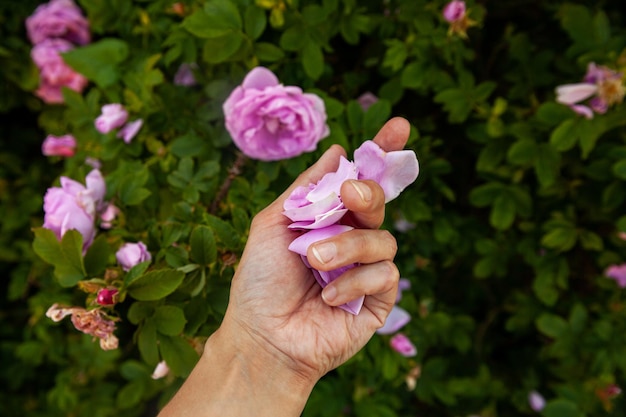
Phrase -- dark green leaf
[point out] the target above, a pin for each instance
(203, 248)
(178, 354)
(155, 284)
(99, 60)
(169, 320)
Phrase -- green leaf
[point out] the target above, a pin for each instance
(254, 21)
(564, 137)
(179, 355)
(619, 169)
(560, 408)
(139, 311)
(99, 60)
(224, 231)
(547, 164)
(522, 152)
(560, 238)
(218, 50)
(590, 240)
(485, 194)
(136, 272)
(552, 325)
(503, 212)
(97, 256)
(375, 117)
(312, 60)
(131, 394)
(147, 342)
(203, 247)
(265, 51)
(155, 284)
(293, 39)
(455, 101)
(169, 320)
(218, 18)
(46, 245)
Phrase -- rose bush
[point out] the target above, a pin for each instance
(512, 237)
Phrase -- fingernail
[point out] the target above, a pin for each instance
(329, 294)
(324, 252)
(363, 190)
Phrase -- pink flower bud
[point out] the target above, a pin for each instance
(107, 296)
(454, 11)
(130, 130)
(112, 117)
(161, 370)
(131, 254)
(536, 401)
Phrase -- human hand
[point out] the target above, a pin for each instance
(275, 302)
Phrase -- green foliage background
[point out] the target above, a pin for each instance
(517, 208)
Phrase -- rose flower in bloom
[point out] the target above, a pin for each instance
(455, 13)
(59, 145)
(601, 88)
(60, 19)
(318, 208)
(74, 206)
(269, 121)
(54, 72)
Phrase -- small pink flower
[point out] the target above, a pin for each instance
(108, 215)
(184, 76)
(74, 205)
(59, 146)
(536, 401)
(401, 344)
(107, 296)
(112, 117)
(131, 254)
(161, 370)
(54, 72)
(93, 162)
(58, 19)
(269, 121)
(366, 99)
(130, 130)
(454, 11)
(618, 273)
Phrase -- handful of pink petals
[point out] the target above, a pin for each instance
(318, 209)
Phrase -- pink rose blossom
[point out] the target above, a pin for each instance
(184, 76)
(393, 171)
(113, 116)
(161, 370)
(58, 19)
(59, 146)
(401, 344)
(618, 273)
(54, 72)
(269, 121)
(536, 401)
(600, 89)
(454, 11)
(73, 206)
(318, 208)
(319, 205)
(130, 130)
(131, 254)
(107, 296)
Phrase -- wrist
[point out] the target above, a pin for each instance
(265, 379)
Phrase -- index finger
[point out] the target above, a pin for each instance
(393, 135)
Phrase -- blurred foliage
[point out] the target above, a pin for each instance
(517, 210)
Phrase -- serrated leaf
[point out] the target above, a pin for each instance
(564, 137)
(147, 342)
(99, 60)
(313, 60)
(254, 21)
(169, 320)
(97, 256)
(179, 355)
(155, 284)
(268, 52)
(203, 247)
